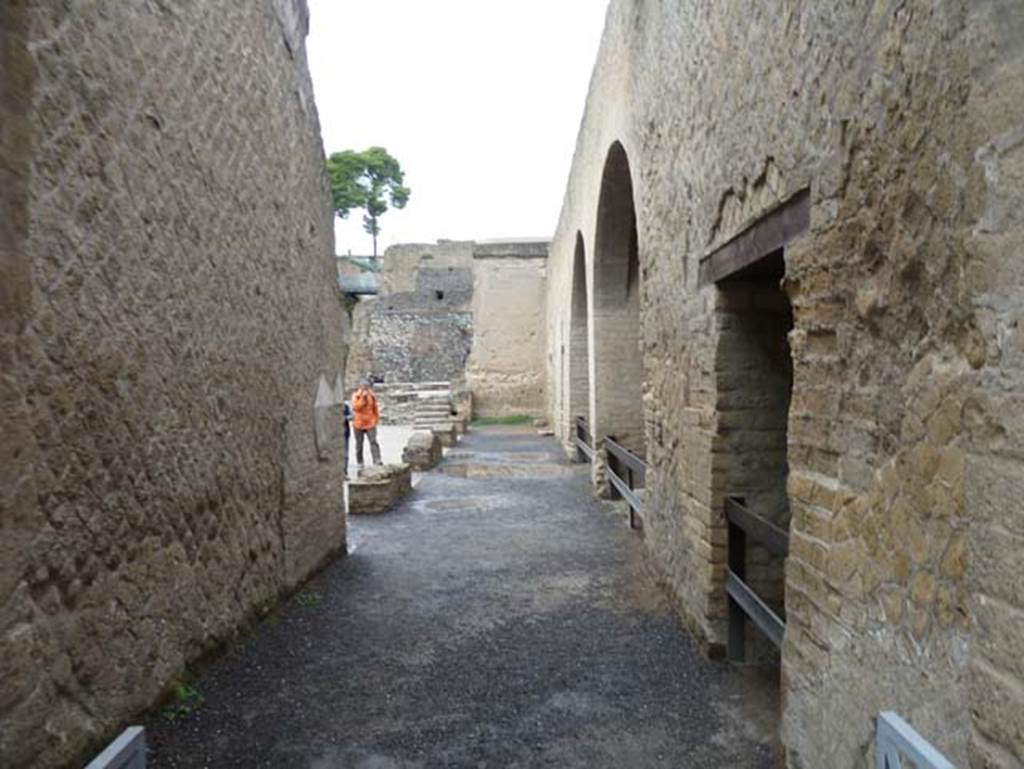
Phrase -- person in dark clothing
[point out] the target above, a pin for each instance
(347, 419)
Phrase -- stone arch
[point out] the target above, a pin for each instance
(616, 364)
(579, 339)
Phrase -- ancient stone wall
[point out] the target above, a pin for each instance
(903, 455)
(171, 347)
(420, 326)
(403, 263)
(459, 311)
(506, 369)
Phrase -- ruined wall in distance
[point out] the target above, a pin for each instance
(506, 369)
(171, 348)
(459, 310)
(419, 328)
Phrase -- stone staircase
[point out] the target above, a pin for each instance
(443, 408)
(400, 401)
(433, 409)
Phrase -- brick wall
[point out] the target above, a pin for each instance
(174, 318)
(903, 121)
(753, 383)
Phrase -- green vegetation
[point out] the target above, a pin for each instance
(186, 699)
(512, 419)
(363, 180)
(308, 600)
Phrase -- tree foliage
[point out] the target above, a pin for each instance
(369, 180)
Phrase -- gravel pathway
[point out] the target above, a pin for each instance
(501, 617)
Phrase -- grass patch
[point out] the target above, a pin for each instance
(512, 419)
(308, 600)
(186, 700)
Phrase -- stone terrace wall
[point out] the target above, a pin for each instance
(905, 432)
(169, 317)
(419, 328)
(506, 369)
(458, 310)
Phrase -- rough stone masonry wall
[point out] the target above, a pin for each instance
(420, 326)
(458, 310)
(903, 119)
(169, 316)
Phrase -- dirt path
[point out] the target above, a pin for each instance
(500, 618)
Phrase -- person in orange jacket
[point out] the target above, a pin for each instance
(365, 416)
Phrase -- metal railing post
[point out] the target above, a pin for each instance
(737, 555)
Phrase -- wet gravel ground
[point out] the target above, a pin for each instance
(501, 617)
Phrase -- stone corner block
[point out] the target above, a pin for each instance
(423, 451)
(447, 433)
(379, 488)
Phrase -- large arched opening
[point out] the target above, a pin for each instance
(579, 340)
(616, 366)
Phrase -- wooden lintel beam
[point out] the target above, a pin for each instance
(765, 236)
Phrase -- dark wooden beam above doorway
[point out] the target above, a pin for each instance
(764, 238)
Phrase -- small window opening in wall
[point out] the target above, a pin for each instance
(439, 295)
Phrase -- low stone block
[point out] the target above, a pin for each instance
(446, 433)
(423, 451)
(379, 488)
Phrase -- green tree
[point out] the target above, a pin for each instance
(368, 180)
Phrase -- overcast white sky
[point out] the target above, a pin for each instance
(479, 100)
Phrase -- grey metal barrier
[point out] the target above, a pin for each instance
(744, 603)
(128, 751)
(583, 440)
(627, 473)
(896, 742)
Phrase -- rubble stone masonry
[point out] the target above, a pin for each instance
(168, 318)
(904, 449)
(459, 311)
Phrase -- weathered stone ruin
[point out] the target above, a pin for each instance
(423, 451)
(787, 268)
(379, 488)
(468, 314)
(171, 347)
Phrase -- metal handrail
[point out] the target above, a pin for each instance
(744, 602)
(628, 479)
(760, 529)
(895, 740)
(128, 751)
(583, 440)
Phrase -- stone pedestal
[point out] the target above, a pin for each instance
(446, 433)
(379, 488)
(423, 451)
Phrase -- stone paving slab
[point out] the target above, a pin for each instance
(492, 620)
